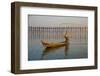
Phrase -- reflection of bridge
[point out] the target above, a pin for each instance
(57, 32)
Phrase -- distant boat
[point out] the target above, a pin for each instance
(47, 44)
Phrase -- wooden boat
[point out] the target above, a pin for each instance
(47, 44)
(52, 44)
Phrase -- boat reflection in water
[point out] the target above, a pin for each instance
(52, 50)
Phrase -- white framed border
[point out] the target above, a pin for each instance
(25, 64)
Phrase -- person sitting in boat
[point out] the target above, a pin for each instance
(66, 36)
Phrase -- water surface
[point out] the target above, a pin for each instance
(76, 47)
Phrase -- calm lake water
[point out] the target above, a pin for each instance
(76, 47)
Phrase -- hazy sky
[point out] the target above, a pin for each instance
(46, 21)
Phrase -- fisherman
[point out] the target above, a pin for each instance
(66, 36)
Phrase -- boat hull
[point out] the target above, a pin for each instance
(53, 44)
